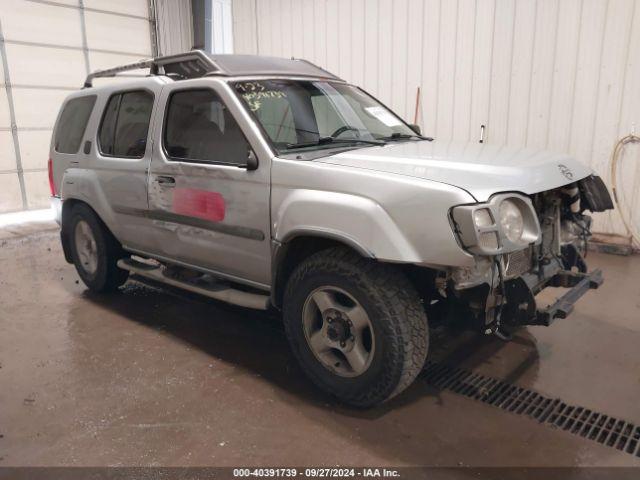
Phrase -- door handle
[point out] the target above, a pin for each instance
(166, 181)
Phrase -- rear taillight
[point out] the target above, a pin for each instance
(52, 185)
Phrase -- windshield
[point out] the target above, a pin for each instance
(310, 115)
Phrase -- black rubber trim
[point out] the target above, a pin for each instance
(234, 230)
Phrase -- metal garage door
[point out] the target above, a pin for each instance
(47, 48)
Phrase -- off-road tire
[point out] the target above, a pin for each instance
(396, 313)
(107, 277)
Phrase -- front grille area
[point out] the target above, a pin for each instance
(518, 263)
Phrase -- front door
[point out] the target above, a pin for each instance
(208, 209)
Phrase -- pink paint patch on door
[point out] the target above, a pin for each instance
(199, 203)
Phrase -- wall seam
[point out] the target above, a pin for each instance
(473, 68)
(491, 63)
(626, 68)
(83, 30)
(533, 56)
(70, 47)
(513, 39)
(12, 119)
(596, 104)
(455, 68)
(553, 74)
(575, 81)
(89, 9)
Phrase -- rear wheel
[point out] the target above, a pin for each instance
(356, 326)
(95, 251)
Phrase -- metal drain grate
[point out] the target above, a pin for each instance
(586, 423)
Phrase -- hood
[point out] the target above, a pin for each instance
(480, 169)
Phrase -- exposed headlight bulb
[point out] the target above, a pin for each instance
(511, 220)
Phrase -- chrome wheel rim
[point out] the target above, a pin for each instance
(338, 331)
(86, 247)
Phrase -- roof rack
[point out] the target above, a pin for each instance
(196, 63)
(184, 65)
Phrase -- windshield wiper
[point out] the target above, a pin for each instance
(402, 136)
(330, 140)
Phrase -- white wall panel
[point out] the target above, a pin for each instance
(5, 119)
(244, 26)
(175, 26)
(564, 80)
(34, 148)
(37, 188)
(221, 27)
(399, 58)
(48, 103)
(139, 8)
(100, 60)
(10, 195)
(480, 93)
(46, 58)
(501, 61)
(428, 117)
(521, 70)
(46, 66)
(464, 63)
(62, 25)
(7, 153)
(544, 50)
(612, 68)
(554, 74)
(117, 33)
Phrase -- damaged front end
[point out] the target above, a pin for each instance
(523, 244)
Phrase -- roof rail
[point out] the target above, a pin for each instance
(185, 65)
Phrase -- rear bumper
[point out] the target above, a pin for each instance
(56, 206)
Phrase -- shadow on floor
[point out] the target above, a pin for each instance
(255, 341)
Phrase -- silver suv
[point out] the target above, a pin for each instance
(271, 183)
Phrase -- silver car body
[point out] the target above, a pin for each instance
(391, 202)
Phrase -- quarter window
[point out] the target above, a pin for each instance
(125, 124)
(73, 123)
(199, 127)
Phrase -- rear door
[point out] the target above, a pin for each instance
(207, 208)
(121, 163)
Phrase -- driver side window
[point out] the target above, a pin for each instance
(200, 128)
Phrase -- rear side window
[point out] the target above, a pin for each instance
(200, 128)
(73, 123)
(125, 125)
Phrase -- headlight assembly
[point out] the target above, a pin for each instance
(511, 220)
(506, 223)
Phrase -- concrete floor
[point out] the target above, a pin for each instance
(146, 378)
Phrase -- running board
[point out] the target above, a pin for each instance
(215, 291)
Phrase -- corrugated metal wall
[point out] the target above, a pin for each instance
(175, 26)
(557, 74)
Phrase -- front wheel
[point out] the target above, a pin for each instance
(356, 326)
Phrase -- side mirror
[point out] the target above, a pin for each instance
(252, 160)
(415, 128)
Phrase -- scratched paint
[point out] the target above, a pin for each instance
(203, 204)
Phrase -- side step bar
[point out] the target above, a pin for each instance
(217, 292)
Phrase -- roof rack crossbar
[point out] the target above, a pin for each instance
(191, 64)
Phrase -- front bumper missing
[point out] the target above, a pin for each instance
(579, 284)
